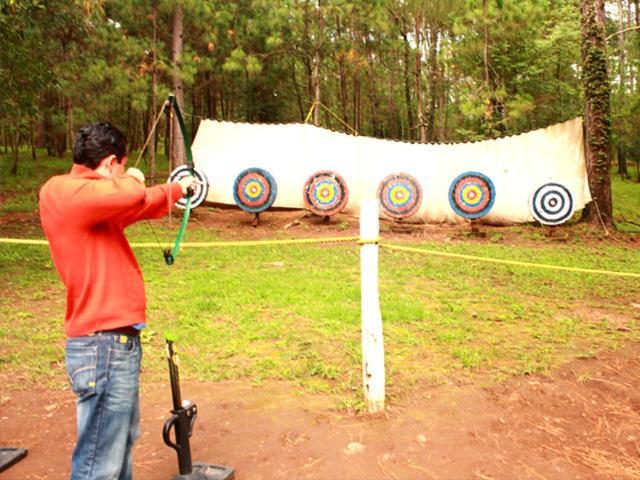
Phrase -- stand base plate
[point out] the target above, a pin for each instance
(9, 456)
(207, 471)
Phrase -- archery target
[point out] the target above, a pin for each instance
(254, 190)
(552, 204)
(201, 189)
(400, 195)
(325, 193)
(472, 195)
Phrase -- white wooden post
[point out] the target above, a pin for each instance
(372, 339)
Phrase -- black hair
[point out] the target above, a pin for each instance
(96, 141)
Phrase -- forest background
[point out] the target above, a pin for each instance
(426, 71)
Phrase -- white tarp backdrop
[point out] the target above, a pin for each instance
(291, 153)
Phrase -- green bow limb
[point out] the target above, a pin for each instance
(171, 254)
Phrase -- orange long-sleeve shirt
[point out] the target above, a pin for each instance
(84, 215)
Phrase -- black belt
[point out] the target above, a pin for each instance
(129, 331)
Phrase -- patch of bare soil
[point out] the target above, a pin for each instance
(231, 223)
(582, 422)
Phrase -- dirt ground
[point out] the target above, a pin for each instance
(580, 422)
(230, 223)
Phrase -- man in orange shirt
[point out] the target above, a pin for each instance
(84, 214)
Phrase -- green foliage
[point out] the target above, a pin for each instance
(254, 61)
(626, 214)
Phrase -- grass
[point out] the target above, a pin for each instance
(293, 312)
(626, 207)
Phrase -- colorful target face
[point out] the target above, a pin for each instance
(472, 194)
(254, 190)
(400, 195)
(201, 189)
(325, 193)
(552, 204)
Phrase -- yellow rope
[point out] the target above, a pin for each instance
(355, 132)
(507, 262)
(249, 243)
(313, 105)
(299, 241)
(22, 241)
(255, 243)
(151, 132)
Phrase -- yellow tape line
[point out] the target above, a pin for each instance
(507, 262)
(256, 243)
(247, 243)
(22, 241)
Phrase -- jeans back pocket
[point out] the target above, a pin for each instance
(81, 368)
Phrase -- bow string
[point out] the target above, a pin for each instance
(171, 107)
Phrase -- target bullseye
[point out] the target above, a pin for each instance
(254, 190)
(400, 195)
(201, 189)
(325, 193)
(471, 195)
(552, 204)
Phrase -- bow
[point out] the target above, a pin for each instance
(170, 254)
(171, 107)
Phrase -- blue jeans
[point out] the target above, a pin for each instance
(104, 370)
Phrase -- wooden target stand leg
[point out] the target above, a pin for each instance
(475, 230)
(399, 225)
(256, 220)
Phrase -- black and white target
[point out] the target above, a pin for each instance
(201, 188)
(552, 204)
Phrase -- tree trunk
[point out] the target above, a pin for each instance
(422, 132)
(315, 79)
(296, 87)
(597, 111)
(637, 10)
(15, 150)
(433, 82)
(407, 84)
(70, 128)
(317, 58)
(621, 41)
(47, 123)
(631, 70)
(485, 46)
(177, 141)
(194, 112)
(622, 162)
(342, 72)
(393, 118)
(373, 97)
(32, 141)
(356, 99)
(490, 113)
(130, 129)
(154, 96)
(442, 103)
